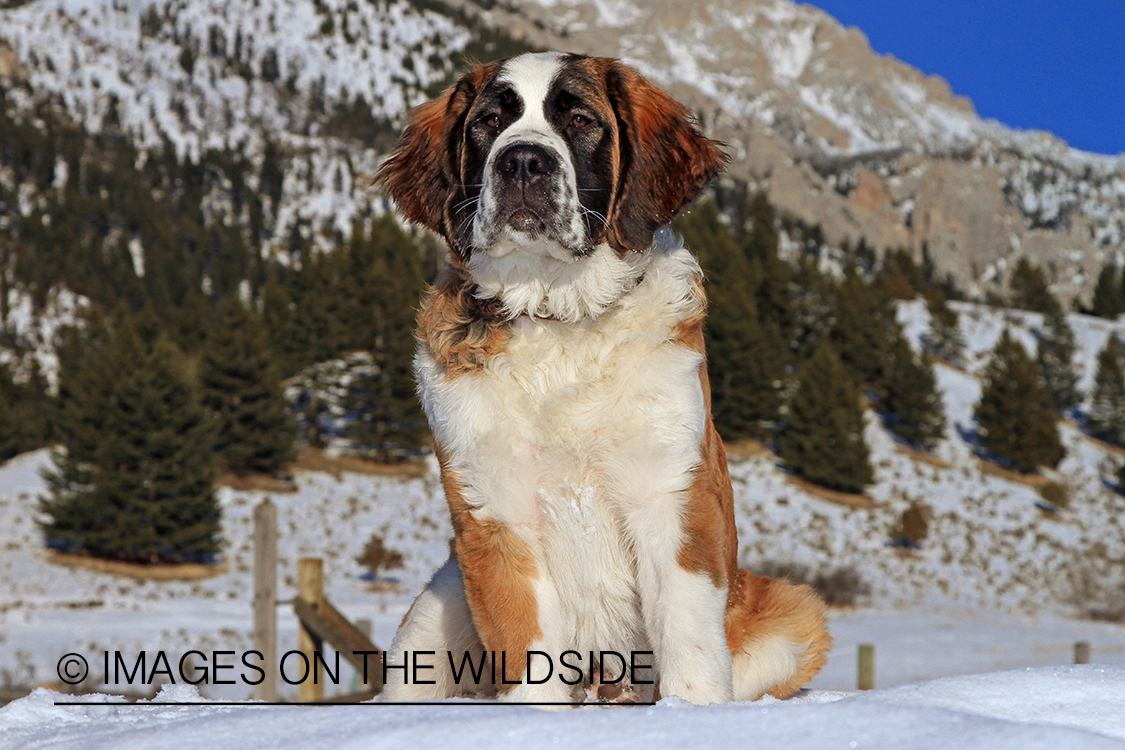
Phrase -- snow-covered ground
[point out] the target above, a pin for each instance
(997, 585)
(1079, 708)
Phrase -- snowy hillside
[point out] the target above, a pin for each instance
(199, 76)
(990, 551)
(1049, 709)
(861, 144)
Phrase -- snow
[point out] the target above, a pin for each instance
(1052, 709)
(97, 59)
(996, 584)
(36, 332)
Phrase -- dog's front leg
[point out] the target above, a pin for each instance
(511, 599)
(683, 609)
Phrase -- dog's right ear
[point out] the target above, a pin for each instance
(423, 172)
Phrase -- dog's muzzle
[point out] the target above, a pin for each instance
(526, 173)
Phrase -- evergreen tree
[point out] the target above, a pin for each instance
(814, 309)
(134, 480)
(386, 268)
(745, 358)
(759, 237)
(900, 275)
(944, 337)
(1015, 414)
(909, 400)
(1109, 302)
(280, 320)
(1030, 290)
(23, 412)
(822, 437)
(1106, 419)
(254, 430)
(1055, 358)
(866, 328)
(10, 437)
(769, 274)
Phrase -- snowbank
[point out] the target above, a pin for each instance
(1053, 709)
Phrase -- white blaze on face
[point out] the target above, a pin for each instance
(556, 274)
(531, 77)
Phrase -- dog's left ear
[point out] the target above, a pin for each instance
(665, 160)
(422, 173)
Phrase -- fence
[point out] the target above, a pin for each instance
(318, 621)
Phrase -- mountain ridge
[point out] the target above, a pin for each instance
(861, 144)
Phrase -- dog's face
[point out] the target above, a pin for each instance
(551, 155)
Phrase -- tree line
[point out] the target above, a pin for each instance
(145, 425)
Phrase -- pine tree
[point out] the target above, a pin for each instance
(1106, 419)
(1015, 414)
(1108, 302)
(1030, 290)
(865, 329)
(10, 437)
(769, 274)
(909, 400)
(386, 268)
(254, 430)
(280, 320)
(944, 337)
(900, 275)
(23, 418)
(745, 358)
(822, 437)
(814, 309)
(135, 479)
(1055, 358)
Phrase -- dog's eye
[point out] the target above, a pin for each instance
(580, 121)
(492, 121)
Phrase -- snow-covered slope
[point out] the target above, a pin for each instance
(1080, 708)
(199, 76)
(990, 550)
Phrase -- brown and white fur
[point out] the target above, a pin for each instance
(561, 367)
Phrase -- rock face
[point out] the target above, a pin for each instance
(862, 144)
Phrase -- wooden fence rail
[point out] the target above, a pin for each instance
(318, 620)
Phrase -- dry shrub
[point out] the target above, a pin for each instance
(378, 557)
(913, 526)
(1055, 494)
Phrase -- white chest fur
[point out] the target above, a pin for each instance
(573, 432)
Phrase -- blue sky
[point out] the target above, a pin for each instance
(1040, 64)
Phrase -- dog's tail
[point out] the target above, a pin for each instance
(777, 636)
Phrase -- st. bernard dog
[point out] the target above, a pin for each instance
(562, 370)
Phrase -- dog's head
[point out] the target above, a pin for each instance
(549, 156)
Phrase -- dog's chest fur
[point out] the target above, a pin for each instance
(573, 427)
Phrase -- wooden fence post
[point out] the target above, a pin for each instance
(265, 597)
(310, 589)
(866, 677)
(1082, 652)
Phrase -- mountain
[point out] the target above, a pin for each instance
(861, 144)
(322, 80)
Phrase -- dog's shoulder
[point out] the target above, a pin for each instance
(460, 331)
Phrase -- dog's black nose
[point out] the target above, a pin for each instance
(525, 161)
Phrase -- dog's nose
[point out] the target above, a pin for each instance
(525, 161)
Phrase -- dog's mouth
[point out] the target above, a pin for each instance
(525, 219)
